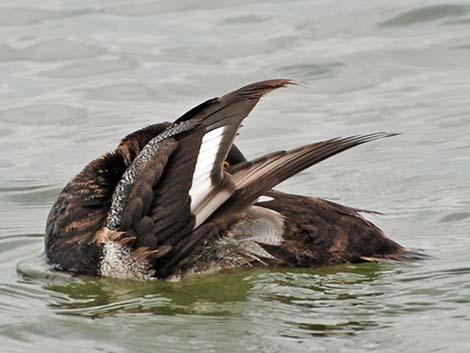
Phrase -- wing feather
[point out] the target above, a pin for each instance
(194, 178)
(254, 178)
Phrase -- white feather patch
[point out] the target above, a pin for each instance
(202, 183)
(263, 198)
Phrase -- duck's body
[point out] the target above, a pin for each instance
(178, 198)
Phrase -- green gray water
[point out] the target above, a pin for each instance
(78, 75)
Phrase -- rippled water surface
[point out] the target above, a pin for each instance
(78, 75)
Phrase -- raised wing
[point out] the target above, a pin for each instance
(177, 180)
(256, 177)
(194, 184)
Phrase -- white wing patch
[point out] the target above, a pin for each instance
(202, 206)
(264, 198)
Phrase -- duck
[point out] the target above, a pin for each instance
(179, 198)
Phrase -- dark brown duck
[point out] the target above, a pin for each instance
(179, 197)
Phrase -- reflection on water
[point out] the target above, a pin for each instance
(318, 292)
(78, 76)
(207, 295)
(331, 301)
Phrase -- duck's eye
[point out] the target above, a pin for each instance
(226, 165)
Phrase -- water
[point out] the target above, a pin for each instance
(79, 75)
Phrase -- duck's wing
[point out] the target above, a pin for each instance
(253, 178)
(177, 181)
(194, 184)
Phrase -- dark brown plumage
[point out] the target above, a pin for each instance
(179, 197)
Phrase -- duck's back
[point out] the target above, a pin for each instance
(296, 231)
(320, 232)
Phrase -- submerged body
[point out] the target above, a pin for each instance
(179, 197)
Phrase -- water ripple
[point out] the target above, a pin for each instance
(50, 51)
(21, 16)
(77, 76)
(91, 68)
(43, 114)
(427, 14)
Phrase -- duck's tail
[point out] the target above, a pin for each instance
(403, 256)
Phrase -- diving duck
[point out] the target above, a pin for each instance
(178, 198)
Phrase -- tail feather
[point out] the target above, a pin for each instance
(404, 256)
